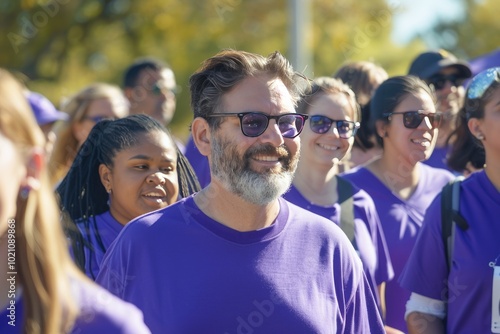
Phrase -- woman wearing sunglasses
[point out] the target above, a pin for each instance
(466, 297)
(405, 122)
(333, 121)
(92, 104)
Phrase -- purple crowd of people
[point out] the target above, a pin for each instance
(297, 205)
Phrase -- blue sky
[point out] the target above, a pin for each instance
(414, 16)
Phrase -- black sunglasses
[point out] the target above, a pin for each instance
(254, 123)
(322, 124)
(439, 81)
(412, 119)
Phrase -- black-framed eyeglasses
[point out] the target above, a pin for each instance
(97, 119)
(412, 119)
(439, 81)
(254, 123)
(322, 124)
(482, 81)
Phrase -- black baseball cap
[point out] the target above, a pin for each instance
(428, 64)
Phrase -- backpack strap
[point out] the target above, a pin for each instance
(346, 191)
(451, 217)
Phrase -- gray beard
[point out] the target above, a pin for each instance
(235, 174)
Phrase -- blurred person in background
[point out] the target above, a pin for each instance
(149, 85)
(86, 108)
(445, 74)
(363, 77)
(46, 116)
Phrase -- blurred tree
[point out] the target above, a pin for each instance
(474, 34)
(347, 30)
(62, 45)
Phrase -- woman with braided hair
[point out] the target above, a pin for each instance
(125, 168)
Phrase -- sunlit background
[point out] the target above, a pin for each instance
(60, 46)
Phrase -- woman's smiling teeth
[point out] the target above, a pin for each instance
(155, 195)
(421, 142)
(328, 147)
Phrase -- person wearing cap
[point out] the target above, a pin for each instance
(445, 73)
(46, 115)
(45, 112)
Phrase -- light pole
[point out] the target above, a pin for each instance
(300, 39)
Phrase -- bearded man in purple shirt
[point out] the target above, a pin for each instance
(235, 257)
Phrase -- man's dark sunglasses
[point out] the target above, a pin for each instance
(412, 119)
(254, 123)
(439, 81)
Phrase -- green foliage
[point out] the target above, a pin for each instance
(474, 34)
(60, 46)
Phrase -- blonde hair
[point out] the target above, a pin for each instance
(66, 146)
(43, 262)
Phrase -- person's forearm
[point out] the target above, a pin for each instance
(422, 323)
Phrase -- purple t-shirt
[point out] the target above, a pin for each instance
(469, 283)
(401, 220)
(108, 228)
(368, 235)
(438, 158)
(199, 163)
(100, 312)
(190, 274)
